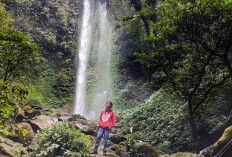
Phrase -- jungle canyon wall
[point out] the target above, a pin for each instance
(55, 26)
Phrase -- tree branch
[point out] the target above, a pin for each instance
(209, 90)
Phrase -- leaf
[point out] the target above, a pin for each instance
(117, 27)
(127, 26)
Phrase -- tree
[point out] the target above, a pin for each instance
(17, 52)
(188, 49)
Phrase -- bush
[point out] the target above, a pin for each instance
(62, 139)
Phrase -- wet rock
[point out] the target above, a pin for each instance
(30, 135)
(85, 128)
(17, 135)
(64, 118)
(41, 122)
(10, 148)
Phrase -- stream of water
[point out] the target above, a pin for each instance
(85, 37)
(100, 35)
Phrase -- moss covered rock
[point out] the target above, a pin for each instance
(41, 122)
(222, 142)
(18, 135)
(146, 149)
(10, 148)
(179, 154)
(31, 111)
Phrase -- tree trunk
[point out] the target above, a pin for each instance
(192, 121)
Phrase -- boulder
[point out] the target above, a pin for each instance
(64, 118)
(85, 128)
(20, 116)
(146, 149)
(10, 148)
(30, 135)
(16, 133)
(41, 122)
(31, 112)
(224, 143)
(122, 153)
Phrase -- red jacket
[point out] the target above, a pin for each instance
(107, 119)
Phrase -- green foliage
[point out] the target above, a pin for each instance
(11, 96)
(62, 139)
(53, 25)
(16, 54)
(162, 119)
(5, 17)
(187, 49)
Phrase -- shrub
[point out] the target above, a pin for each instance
(62, 139)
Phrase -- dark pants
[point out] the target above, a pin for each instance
(101, 132)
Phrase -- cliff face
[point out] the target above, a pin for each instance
(54, 25)
(50, 23)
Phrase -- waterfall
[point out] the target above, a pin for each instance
(85, 36)
(93, 76)
(103, 83)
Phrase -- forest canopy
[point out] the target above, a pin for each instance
(186, 49)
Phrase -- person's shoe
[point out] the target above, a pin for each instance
(93, 152)
(104, 153)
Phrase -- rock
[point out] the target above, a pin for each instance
(36, 107)
(31, 112)
(64, 118)
(30, 135)
(77, 117)
(86, 129)
(10, 148)
(122, 153)
(115, 138)
(179, 154)
(225, 142)
(146, 149)
(21, 115)
(117, 147)
(46, 110)
(16, 133)
(41, 122)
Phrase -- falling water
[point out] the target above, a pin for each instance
(85, 37)
(95, 48)
(102, 92)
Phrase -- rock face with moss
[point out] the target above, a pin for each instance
(223, 147)
(10, 148)
(42, 121)
(146, 149)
